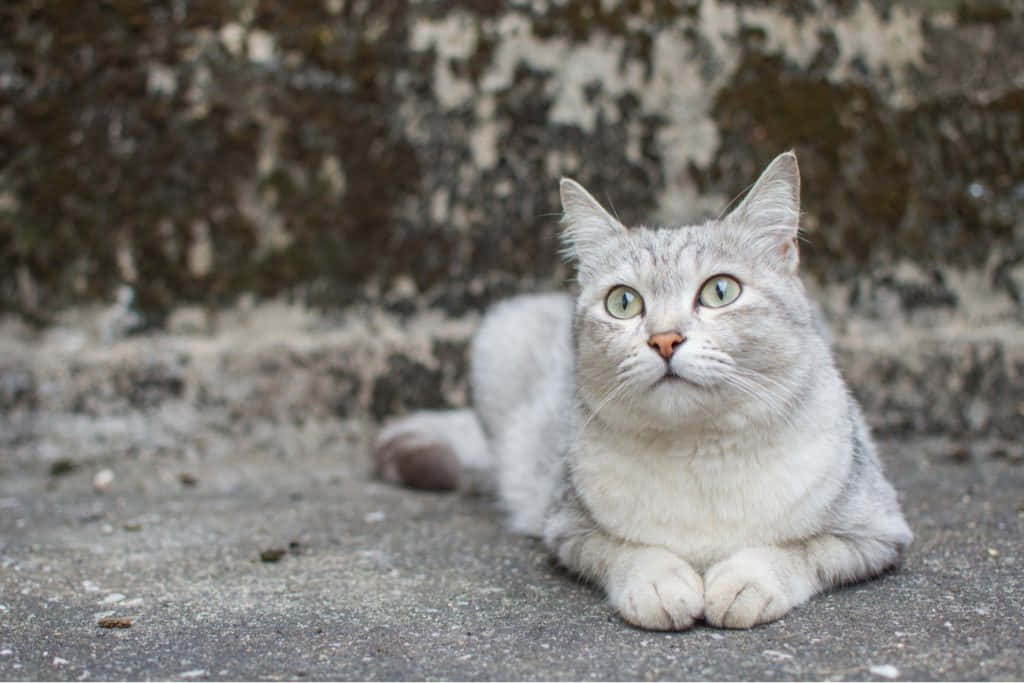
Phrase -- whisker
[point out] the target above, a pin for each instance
(756, 395)
(756, 386)
(760, 376)
(617, 389)
(611, 205)
(628, 363)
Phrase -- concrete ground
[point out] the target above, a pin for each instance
(258, 547)
(382, 583)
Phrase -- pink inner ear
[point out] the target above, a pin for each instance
(789, 252)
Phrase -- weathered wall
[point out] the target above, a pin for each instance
(341, 150)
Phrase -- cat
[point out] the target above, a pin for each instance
(677, 434)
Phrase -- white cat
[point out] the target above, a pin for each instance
(679, 434)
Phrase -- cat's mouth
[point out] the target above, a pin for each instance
(672, 378)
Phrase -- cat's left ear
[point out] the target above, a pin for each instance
(772, 211)
(586, 225)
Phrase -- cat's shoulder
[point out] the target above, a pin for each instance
(557, 302)
(531, 310)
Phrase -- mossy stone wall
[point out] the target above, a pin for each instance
(339, 150)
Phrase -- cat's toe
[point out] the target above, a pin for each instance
(665, 597)
(741, 595)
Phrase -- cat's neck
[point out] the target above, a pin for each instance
(819, 404)
(660, 438)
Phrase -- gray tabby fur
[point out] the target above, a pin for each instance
(729, 483)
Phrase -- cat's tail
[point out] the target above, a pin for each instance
(435, 450)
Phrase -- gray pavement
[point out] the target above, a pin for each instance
(383, 583)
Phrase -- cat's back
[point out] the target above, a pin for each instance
(521, 342)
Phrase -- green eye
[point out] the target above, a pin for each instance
(623, 302)
(721, 290)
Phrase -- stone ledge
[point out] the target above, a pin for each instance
(276, 368)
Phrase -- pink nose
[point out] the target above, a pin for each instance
(665, 343)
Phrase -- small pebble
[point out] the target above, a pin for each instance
(112, 599)
(776, 655)
(885, 671)
(102, 481)
(272, 554)
(114, 622)
(188, 479)
(132, 526)
(992, 552)
(59, 661)
(194, 673)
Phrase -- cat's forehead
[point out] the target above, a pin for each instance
(678, 249)
(666, 244)
(668, 259)
(653, 259)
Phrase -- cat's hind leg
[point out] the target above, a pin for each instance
(434, 450)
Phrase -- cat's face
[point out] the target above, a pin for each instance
(706, 324)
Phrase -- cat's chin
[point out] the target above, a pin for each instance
(674, 397)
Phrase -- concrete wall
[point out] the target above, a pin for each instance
(406, 153)
(171, 172)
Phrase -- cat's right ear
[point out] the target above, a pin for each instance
(586, 225)
(771, 211)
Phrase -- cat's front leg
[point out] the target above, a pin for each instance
(649, 587)
(754, 586)
(655, 589)
(758, 585)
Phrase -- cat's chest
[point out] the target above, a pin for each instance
(705, 502)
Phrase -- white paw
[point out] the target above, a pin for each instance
(744, 591)
(658, 591)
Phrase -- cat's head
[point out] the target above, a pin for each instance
(706, 324)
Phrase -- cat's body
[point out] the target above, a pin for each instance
(679, 433)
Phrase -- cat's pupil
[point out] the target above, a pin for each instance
(720, 287)
(625, 300)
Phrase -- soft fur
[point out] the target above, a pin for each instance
(730, 482)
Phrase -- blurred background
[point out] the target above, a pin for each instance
(332, 190)
(334, 151)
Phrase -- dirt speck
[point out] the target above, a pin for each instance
(62, 466)
(272, 554)
(960, 455)
(114, 622)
